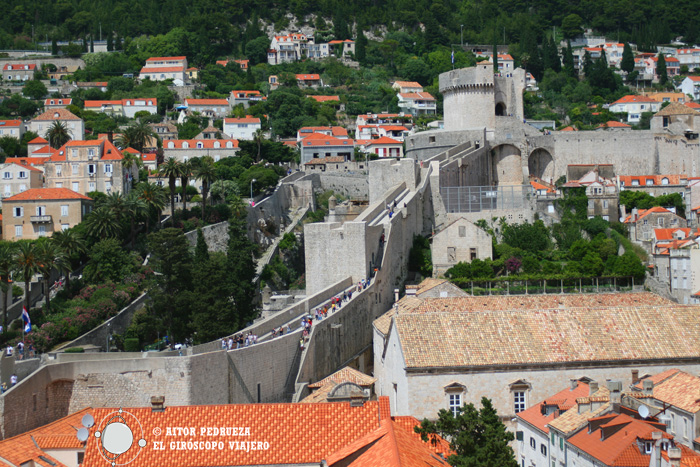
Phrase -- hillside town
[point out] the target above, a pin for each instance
(323, 239)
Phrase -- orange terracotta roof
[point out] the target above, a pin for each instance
(131, 151)
(247, 119)
(223, 102)
(677, 388)
(655, 179)
(311, 77)
(281, 432)
(107, 150)
(29, 446)
(667, 234)
(392, 127)
(563, 401)
(344, 375)
(384, 140)
(692, 105)
(425, 96)
(634, 99)
(539, 186)
(569, 128)
(4, 123)
(408, 84)
(57, 101)
(161, 69)
(101, 103)
(244, 94)
(316, 140)
(38, 140)
(162, 59)
(325, 98)
(614, 442)
(645, 212)
(92, 84)
(34, 194)
(19, 66)
(28, 161)
(613, 124)
(28, 167)
(505, 57)
(56, 114)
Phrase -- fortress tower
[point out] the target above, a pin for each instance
(474, 97)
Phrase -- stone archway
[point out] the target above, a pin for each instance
(506, 168)
(501, 110)
(541, 164)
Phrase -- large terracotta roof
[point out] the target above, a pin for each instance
(674, 108)
(206, 102)
(161, 69)
(514, 302)
(548, 336)
(677, 388)
(56, 114)
(642, 213)
(346, 374)
(49, 194)
(674, 179)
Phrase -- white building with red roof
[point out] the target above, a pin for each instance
(42, 123)
(634, 106)
(124, 107)
(417, 103)
(689, 57)
(245, 98)
(321, 145)
(335, 131)
(14, 128)
(57, 103)
(286, 48)
(18, 71)
(242, 128)
(87, 166)
(16, 178)
(407, 86)
(309, 80)
(382, 147)
(162, 68)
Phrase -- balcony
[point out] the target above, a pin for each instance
(40, 219)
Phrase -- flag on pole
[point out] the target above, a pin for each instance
(453, 56)
(27, 321)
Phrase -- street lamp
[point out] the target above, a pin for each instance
(461, 34)
(252, 203)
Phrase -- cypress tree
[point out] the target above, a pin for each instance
(92, 45)
(201, 251)
(54, 47)
(587, 64)
(110, 44)
(361, 45)
(627, 63)
(569, 60)
(241, 267)
(661, 69)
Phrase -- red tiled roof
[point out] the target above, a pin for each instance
(677, 388)
(693, 78)
(131, 151)
(692, 105)
(563, 401)
(633, 99)
(92, 84)
(247, 119)
(426, 96)
(161, 69)
(505, 57)
(56, 114)
(20, 66)
(392, 127)
(645, 212)
(246, 94)
(318, 139)
(569, 128)
(108, 150)
(282, 433)
(161, 59)
(28, 160)
(206, 102)
(618, 446)
(311, 77)
(655, 179)
(325, 98)
(57, 101)
(539, 186)
(667, 234)
(24, 166)
(46, 193)
(384, 140)
(613, 124)
(38, 140)
(48, 150)
(408, 84)
(5, 123)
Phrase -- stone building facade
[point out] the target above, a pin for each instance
(460, 241)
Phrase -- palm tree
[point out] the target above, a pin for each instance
(58, 134)
(130, 160)
(207, 174)
(115, 202)
(258, 138)
(72, 243)
(50, 257)
(102, 223)
(135, 136)
(154, 197)
(27, 264)
(7, 265)
(171, 169)
(184, 178)
(134, 208)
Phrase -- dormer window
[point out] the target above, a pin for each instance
(185, 145)
(229, 144)
(56, 115)
(171, 145)
(647, 447)
(200, 145)
(217, 144)
(664, 181)
(650, 182)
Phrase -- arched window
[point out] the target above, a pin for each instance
(229, 144)
(185, 145)
(171, 145)
(664, 181)
(217, 144)
(200, 145)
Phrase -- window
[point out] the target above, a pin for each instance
(41, 230)
(518, 401)
(91, 169)
(108, 186)
(591, 204)
(672, 423)
(41, 210)
(91, 152)
(18, 212)
(58, 169)
(462, 231)
(65, 226)
(76, 186)
(664, 181)
(18, 231)
(605, 204)
(650, 182)
(561, 443)
(7, 176)
(91, 186)
(22, 174)
(543, 449)
(647, 447)
(455, 403)
(686, 428)
(75, 169)
(64, 210)
(533, 443)
(554, 438)
(108, 168)
(606, 218)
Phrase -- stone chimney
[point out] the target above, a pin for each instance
(648, 387)
(332, 203)
(615, 388)
(574, 383)
(635, 376)
(411, 290)
(592, 387)
(157, 403)
(396, 295)
(674, 455)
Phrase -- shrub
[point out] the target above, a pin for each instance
(131, 344)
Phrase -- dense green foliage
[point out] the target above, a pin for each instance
(478, 437)
(641, 200)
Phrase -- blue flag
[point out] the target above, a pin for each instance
(453, 57)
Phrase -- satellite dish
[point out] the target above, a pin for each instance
(643, 411)
(88, 420)
(83, 434)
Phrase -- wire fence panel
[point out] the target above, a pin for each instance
(485, 198)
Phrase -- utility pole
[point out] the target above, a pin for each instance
(100, 31)
(461, 35)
